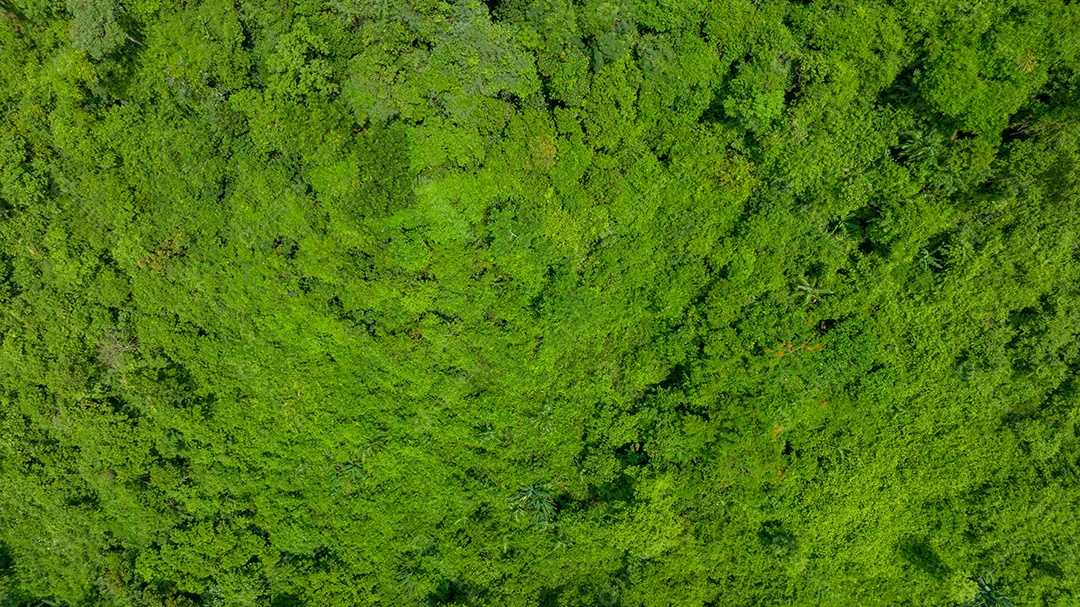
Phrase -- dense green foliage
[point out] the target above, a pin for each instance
(540, 302)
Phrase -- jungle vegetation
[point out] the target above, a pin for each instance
(539, 303)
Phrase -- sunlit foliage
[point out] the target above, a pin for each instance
(539, 303)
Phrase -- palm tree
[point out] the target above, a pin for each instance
(811, 290)
(988, 596)
(531, 497)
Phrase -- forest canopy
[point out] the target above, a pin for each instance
(539, 303)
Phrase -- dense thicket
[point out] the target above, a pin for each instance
(539, 302)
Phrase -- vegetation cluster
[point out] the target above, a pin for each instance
(539, 303)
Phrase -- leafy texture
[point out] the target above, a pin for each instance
(539, 303)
